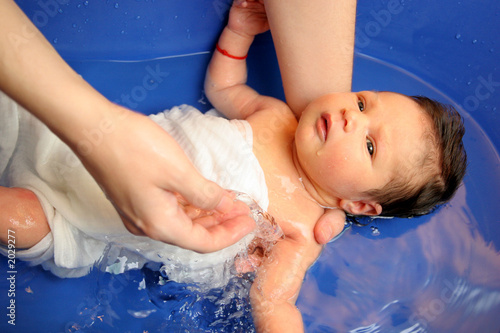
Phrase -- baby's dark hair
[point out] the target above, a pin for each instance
(443, 165)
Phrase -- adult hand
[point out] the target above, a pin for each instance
(329, 225)
(140, 168)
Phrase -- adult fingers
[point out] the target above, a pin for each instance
(170, 224)
(221, 235)
(329, 225)
(205, 194)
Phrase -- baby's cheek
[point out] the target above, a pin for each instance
(305, 133)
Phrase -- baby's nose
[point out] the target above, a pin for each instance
(354, 120)
(350, 119)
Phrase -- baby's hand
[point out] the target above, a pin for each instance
(249, 262)
(248, 17)
(268, 234)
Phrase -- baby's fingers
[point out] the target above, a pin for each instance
(240, 3)
(247, 265)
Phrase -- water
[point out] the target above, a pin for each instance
(437, 273)
(143, 300)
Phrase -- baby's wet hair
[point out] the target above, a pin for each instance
(443, 166)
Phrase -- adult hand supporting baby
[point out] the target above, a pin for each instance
(142, 192)
(311, 66)
(137, 164)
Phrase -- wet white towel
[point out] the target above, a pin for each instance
(83, 221)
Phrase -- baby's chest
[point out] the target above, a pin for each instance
(291, 208)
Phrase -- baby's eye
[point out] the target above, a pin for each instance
(370, 147)
(361, 105)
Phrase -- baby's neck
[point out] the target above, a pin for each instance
(309, 185)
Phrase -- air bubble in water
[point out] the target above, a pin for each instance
(375, 231)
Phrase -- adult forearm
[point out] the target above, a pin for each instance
(33, 74)
(314, 42)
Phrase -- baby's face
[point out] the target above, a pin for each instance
(349, 143)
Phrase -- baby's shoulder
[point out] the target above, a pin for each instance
(273, 114)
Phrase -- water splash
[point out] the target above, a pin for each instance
(207, 272)
(218, 302)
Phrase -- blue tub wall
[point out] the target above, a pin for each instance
(152, 54)
(452, 44)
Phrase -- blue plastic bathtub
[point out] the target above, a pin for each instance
(438, 273)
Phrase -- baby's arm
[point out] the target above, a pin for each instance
(277, 285)
(225, 83)
(279, 278)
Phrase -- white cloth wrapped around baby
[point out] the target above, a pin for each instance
(84, 223)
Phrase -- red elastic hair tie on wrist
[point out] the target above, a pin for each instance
(227, 54)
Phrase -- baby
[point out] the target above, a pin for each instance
(366, 153)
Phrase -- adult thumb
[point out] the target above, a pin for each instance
(329, 225)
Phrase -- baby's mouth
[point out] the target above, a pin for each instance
(323, 125)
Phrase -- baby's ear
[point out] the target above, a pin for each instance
(361, 207)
